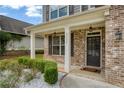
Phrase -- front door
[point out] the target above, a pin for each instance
(93, 51)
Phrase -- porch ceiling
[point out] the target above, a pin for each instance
(89, 17)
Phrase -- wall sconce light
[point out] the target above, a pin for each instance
(90, 28)
(54, 34)
(118, 34)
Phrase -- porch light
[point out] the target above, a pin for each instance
(90, 28)
(118, 34)
(54, 34)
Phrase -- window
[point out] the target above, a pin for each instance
(92, 6)
(62, 45)
(54, 14)
(53, 7)
(63, 11)
(57, 45)
(84, 7)
(57, 11)
(53, 11)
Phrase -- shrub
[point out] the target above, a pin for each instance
(15, 67)
(23, 60)
(31, 63)
(51, 72)
(3, 65)
(40, 64)
(26, 61)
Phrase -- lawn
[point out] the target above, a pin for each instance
(16, 75)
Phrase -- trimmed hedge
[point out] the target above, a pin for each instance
(23, 60)
(40, 64)
(49, 68)
(51, 72)
(26, 61)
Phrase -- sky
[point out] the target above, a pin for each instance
(31, 14)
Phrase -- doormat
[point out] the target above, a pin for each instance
(91, 69)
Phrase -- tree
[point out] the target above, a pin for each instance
(5, 37)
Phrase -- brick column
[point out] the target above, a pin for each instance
(114, 49)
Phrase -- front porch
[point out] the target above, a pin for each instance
(112, 67)
(79, 25)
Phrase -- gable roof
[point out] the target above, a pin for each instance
(12, 25)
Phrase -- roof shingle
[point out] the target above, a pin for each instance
(12, 25)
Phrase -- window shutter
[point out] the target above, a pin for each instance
(71, 9)
(72, 44)
(50, 45)
(47, 12)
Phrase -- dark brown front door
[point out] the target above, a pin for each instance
(93, 51)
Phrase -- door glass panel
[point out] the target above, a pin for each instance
(93, 51)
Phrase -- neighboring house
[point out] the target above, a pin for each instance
(14, 26)
(86, 36)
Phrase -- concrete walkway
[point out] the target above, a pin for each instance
(74, 81)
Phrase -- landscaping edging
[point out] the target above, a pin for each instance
(62, 79)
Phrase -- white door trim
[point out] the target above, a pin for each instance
(100, 48)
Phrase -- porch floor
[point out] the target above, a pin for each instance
(83, 79)
(75, 70)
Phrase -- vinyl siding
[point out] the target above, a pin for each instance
(25, 44)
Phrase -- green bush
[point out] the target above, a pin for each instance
(26, 61)
(15, 67)
(31, 63)
(51, 72)
(3, 65)
(40, 64)
(23, 60)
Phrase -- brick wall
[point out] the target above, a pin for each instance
(114, 57)
(78, 58)
(79, 48)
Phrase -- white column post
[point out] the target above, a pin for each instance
(67, 49)
(32, 41)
